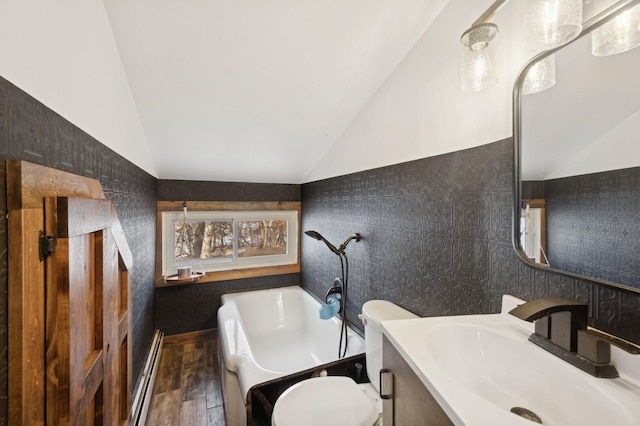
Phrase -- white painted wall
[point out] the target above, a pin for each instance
(420, 110)
(63, 53)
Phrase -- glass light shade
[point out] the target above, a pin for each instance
(620, 34)
(477, 66)
(541, 76)
(553, 23)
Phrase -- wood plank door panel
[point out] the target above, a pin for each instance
(89, 282)
(26, 319)
(27, 185)
(70, 353)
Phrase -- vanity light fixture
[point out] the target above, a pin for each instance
(541, 76)
(553, 23)
(477, 66)
(620, 34)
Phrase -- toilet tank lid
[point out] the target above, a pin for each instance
(383, 310)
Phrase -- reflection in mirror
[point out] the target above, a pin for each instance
(533, 231)
(580, 167)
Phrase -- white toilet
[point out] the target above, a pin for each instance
(338, 399)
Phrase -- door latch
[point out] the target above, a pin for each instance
(47, 245)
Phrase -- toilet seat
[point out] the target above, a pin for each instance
(324, 401)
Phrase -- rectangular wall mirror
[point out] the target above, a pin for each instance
(578, 161)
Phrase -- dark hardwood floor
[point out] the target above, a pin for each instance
(187, 391)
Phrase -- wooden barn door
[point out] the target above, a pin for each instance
(86, 315)
(69, 328)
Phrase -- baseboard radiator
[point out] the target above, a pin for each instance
(144, 394)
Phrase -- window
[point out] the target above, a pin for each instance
(215, 241)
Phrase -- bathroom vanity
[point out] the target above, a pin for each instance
(407, 402)
(485, 370)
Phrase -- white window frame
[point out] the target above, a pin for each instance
(169, 218)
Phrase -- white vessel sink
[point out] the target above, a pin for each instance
(479, 367)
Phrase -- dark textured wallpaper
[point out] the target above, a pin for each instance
(193, 307)
(179, 190)
(581, 239)
(436, 239)
(32, 132)
(532, 190)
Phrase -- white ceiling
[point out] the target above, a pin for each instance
(255, 91)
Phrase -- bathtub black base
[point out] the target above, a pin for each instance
(262, 397)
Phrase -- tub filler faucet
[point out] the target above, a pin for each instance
(333, 301)
(561, 329)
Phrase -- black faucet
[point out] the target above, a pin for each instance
(561, 328)
(555, 319)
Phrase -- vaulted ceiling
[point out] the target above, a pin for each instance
(257, 91)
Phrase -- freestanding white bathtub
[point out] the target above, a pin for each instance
(266, 334)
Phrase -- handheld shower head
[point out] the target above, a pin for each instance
(338, 251)
(317, 236)
(314, 234)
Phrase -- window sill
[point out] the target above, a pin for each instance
(234, 274)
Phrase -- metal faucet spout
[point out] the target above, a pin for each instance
(540, 308)
(561, 329)
(556, 319)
